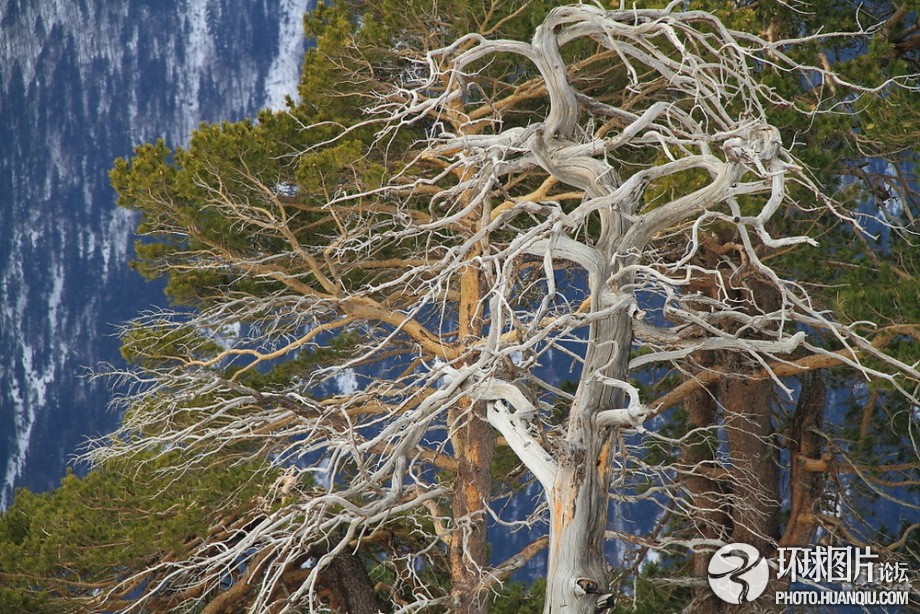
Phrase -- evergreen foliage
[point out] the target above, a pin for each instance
(90, 532)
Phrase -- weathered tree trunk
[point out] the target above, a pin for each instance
(577, 571)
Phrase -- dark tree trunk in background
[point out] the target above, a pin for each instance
(351, 589)
(706, 489)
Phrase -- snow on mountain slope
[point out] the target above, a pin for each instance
(82, 82)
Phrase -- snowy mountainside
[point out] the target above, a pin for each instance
(82, 82)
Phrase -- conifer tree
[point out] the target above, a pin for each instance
(371, 284)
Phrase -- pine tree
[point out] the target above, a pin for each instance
(432, 226)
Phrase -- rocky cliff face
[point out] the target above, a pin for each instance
(82, 82)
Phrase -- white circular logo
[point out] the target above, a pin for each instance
(738, 574)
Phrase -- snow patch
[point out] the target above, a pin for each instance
(200, 48)
(284, 73)
(46, 335)
(55, 298)
(116, 241)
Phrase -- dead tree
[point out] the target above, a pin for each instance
(559, 210)
(690, 94)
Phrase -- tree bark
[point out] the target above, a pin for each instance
(350, 588)
(707, 495)
(474, 447)
(577, 569)
(804, 443)
(469, 553)
(754, 467)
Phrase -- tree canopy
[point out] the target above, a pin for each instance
(649, 270)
